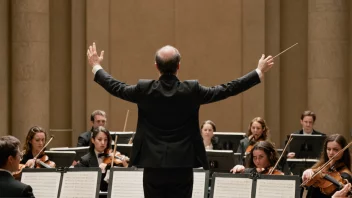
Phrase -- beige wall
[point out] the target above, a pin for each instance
(218, 41)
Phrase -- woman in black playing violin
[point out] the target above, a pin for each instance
(35, 141)
(99, 150)
(262, 158)
(341, 164)
(257, 131)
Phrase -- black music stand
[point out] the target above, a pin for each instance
(307, 146)
(61, 158)
(80, 151)
(122, 137)
(228, 140)
(220, 160)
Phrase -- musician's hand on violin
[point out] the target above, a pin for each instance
(102, 166)
(291, 155)
(30, 163)
(237, 169)
(343, 192)
(307, 174)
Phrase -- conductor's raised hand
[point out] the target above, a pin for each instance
(93, 57)
(265, 64)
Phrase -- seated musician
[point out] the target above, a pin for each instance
(207, 130)
(257, 131)
(35, 141)
(340, 164)
(307, 121)
(10, 157)
(98, 154)
(261, 159)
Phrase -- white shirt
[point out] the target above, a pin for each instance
(100, 159)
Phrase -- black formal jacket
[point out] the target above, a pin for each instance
(91, 160)
(84, 138)
(168, 134)
(9, 187)
(314, 132)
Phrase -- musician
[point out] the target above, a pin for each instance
(344, 192)
(207, 129)
(10, 157)
(98, 153)
(97, 118)
(258, 130)
(342, 163)
(35, 141)
(262, 158)
(307, 121)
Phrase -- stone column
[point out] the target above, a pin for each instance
(328, 64)
(30, 65)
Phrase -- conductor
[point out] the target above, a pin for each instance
(168, 143)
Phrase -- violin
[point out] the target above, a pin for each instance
(328, 177)
(41, 162)
(329, 181)
(118, 159)
(252, 142)
(269, 171)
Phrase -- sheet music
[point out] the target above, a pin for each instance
(198, 184)
(44, 184)
(79, 184)
(230, 187)
(268, 188)
(127, 184)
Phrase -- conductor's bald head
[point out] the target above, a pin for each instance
(167, 60)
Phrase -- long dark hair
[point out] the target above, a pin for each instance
(95, 133)
(27, 146)
(346, 157)
(269, 151)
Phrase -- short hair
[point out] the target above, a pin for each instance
(168, 65)
(27, 146)
(9, 145)
(209, 122)
(262, 122)
(94, 134)
(308, 113)
(97, 112)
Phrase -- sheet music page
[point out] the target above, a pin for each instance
(229, 187)
(275, 188)
(44, 184)
(198, 184)
(127, 184)
(80, 184)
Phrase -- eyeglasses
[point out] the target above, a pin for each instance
(20, 155)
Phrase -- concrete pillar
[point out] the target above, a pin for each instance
(30, 65)
(328, 64)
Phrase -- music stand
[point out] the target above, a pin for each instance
(307, 146)
(229, 140)
(122, 137)
(220, 160)
(61, 158)
(124, 149)
(80, 151)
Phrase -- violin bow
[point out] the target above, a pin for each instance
(124, 129)
(51, 138)
(326, 164)
(283, 151)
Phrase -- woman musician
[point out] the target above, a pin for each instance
(261, 159)
(35, 141)
(99, 154)
(257, 131)
(341, 164)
